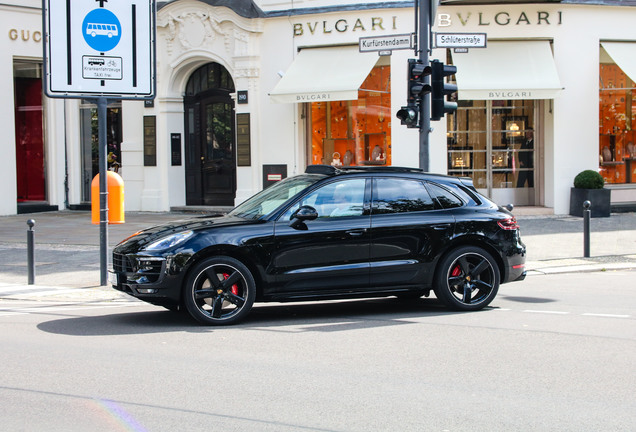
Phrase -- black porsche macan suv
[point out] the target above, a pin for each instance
(329, 234)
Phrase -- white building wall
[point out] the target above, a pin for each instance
(21, 33)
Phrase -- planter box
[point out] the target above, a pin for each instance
(600, 199)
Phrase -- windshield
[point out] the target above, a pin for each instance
(273, 197)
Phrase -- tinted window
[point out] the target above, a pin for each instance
(337, 199)
(445, 197)
(392, 195)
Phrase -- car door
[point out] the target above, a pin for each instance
(328, 255)
(408, 229)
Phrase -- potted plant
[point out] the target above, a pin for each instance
(588, 186)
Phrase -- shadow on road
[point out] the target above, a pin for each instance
(294, 318)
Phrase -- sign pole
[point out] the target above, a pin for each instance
(102, 104)
(425, 106)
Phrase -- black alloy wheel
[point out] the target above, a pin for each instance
(467, 279)
(219, 290)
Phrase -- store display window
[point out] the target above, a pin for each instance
(617, 139)
(89, 128)
(356, 132)
(492, 141)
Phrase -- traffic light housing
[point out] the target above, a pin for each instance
(440, 89)
(417, 87)
(409, 115)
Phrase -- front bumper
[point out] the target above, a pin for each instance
(146, 278)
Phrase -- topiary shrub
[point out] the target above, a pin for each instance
(589, 179)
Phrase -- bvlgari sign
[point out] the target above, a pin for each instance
(463, 18)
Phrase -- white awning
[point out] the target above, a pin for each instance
(324, 74)
(507, 70)
(624, 55)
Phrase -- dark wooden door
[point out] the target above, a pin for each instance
(210, 152)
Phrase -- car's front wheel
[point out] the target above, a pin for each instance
(219, 290)
(467, 279)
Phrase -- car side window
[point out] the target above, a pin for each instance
(445, 197)
(337, 199)
(395, 195)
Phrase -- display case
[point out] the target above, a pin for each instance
(460, 158)
(374, 149)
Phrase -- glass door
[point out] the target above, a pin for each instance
(89, 127)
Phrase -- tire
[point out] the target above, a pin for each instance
(219, 291)
(467, 279)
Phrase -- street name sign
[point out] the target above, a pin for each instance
(460, 40)
(385, 43)
(99, 48)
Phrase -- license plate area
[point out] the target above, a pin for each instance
(113, 278)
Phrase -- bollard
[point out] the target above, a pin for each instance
(587, 213)
(30, 252)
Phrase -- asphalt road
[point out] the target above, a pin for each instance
(554, 352)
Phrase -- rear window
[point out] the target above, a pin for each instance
(395, 195)
(446, 198)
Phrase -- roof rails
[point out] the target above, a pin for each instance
(321, 169)
(331, 170)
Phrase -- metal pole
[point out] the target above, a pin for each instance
(31, 252)
(425, 106)
(587, 213)
(102, 104)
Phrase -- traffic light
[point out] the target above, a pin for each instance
(440, 89)
(417, 87)
(409, 115)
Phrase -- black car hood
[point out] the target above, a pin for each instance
(149, 235)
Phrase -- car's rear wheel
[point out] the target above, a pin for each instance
(467, 279)
(219, 290)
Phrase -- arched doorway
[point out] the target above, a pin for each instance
(210, 165)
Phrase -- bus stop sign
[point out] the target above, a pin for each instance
(99, 48)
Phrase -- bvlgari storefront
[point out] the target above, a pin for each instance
(348, 101)
(497, 134)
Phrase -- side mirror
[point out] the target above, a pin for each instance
(304, 213)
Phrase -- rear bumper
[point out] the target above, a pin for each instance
(516, 268)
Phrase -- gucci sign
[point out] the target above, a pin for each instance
(25, 35)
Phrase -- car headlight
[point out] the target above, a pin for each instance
(170, 241)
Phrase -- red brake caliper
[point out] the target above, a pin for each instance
(234, 287)
(456, 271)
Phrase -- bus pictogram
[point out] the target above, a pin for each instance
(97, 29)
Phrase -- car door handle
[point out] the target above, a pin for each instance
(440, 227)
(356, 232)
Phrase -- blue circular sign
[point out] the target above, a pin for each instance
(101, 30)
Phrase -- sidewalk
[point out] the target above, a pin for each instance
(67, 249)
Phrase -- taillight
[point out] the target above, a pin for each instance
(508, 224)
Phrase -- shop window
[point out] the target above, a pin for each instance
(617, 139)
(493, 142)
(90, 142)
(357, 132)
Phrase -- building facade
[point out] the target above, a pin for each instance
(251, 92)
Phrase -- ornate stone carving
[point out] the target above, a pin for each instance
(192, 29)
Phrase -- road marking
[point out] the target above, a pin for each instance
(43, 310)
(606, 315)
(547, 312)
